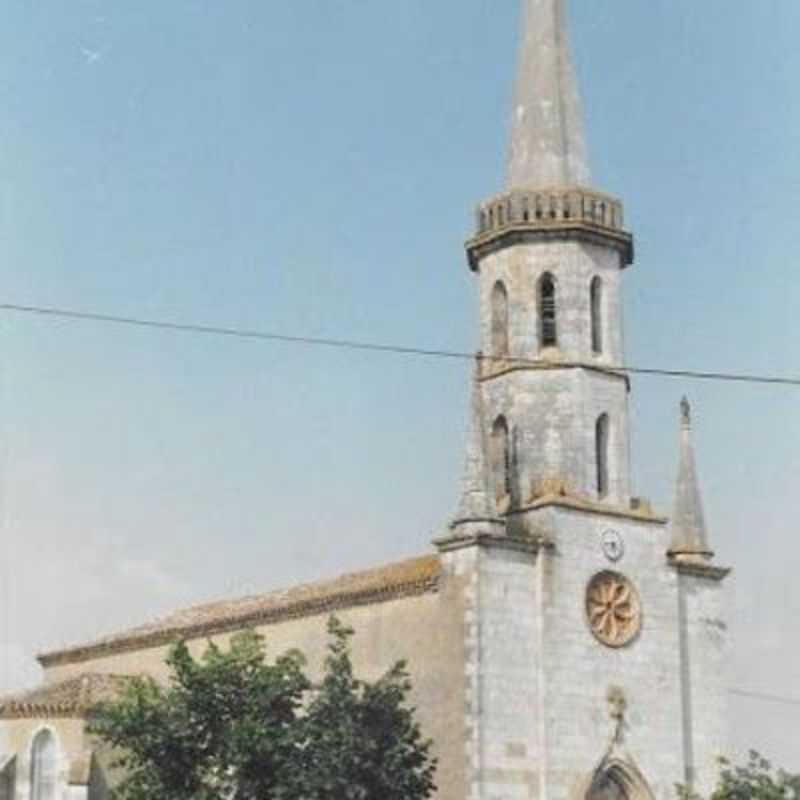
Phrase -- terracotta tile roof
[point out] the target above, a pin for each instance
(402, 579)
(68, 698)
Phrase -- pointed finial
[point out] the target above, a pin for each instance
(689, 535)
(476, 510)
(686, 413)
(548, 147)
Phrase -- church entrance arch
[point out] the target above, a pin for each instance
(616, 780)
(607, 787)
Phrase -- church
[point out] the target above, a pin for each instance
(566, 641)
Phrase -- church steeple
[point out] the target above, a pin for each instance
(548, 146)
(689, 535)
(477, 513)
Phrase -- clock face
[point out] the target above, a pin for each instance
(613, 546)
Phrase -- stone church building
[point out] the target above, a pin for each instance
(566, 641)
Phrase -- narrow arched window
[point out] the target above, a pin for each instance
(499, 320)
(601, 453)
(548, 329)
(501, 458)
(596, 302)
(44, 766)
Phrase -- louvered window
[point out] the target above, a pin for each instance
(548, 333)
(501, 458)
(596, 300)
(499, 320)
(601, 454)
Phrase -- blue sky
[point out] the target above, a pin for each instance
(311, 168)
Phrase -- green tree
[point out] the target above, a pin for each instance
(225, 726)
(361, 741)
(756, 780)
(232, 726)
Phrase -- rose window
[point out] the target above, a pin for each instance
(613, 609)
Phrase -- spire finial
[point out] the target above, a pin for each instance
(686, 413)
(548, 147)
(476, 509)
(689, 535)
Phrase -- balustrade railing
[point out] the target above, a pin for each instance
(546, 208)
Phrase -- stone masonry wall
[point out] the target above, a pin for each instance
(705, 672)
(554, 411)
(578, 670)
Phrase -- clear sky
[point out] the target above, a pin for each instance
(311, 168)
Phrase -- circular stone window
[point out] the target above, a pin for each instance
(613, 609)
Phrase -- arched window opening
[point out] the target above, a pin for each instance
(596, 300)
(8, 787)
(501, 459)
(44, 766)
(499, 320)
(548, 330)
(601, 454)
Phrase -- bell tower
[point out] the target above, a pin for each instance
(548, 253)
(595, 640)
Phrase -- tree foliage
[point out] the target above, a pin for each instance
(360, 740)
(231, 725)
(756, 780)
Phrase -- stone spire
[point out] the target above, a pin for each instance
(689, 536)
(548, 147)
(477, 512)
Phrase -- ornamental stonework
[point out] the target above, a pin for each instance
(613, 609)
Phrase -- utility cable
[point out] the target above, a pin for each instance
(770, 698)
(354, 344)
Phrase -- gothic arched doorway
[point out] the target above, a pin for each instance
(615, 780)
(606, 787)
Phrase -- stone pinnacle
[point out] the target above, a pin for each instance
(477, 511)
(689, 536)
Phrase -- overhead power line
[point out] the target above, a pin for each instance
(355, 344)
(770, 698)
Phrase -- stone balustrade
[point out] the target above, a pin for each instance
(547, 208)
(547, 212)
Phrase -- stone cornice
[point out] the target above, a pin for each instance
(44, 711)
(73, 698)
(523, 544)
(699, 569)
(495, 367)
(590, 507)
(481, 246)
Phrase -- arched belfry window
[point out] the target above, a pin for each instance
(601, 438)
(499, 320)
(548, 324)
(44, 766)
(501, 458)
(596, 302)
